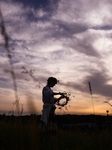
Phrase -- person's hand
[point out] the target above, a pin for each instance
(62, 94)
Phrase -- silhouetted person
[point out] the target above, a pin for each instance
(49, 102)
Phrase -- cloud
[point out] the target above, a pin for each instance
(84, 45)
(89, 12)
(104, 27)
(69, 40)
(62, 29)
(42, 41)
(99, 83)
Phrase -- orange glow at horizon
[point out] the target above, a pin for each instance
(79, 106)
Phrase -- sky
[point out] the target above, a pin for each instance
(70, 40)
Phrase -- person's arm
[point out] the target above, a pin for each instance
(58, 93)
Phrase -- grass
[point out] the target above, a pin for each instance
(23, 134)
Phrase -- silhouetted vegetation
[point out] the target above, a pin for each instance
(22, 133)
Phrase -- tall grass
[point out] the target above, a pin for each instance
(19, 133)
(22, 133)
(8, 52)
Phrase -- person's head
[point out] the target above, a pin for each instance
(52, 81)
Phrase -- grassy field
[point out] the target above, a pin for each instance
(21, 133)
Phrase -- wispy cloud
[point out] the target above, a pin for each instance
(67, 39)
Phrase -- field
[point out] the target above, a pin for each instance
(22, 133)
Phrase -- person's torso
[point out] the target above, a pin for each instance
(47, 95)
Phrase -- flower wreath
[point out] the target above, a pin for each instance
(64, 103)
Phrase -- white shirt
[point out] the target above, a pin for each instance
(47, 95)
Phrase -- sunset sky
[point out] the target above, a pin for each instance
(68, 39)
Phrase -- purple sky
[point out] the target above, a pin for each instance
(70, 40)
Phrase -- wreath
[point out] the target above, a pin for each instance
(66, 99)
